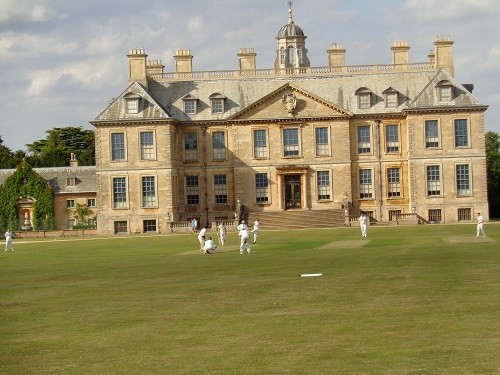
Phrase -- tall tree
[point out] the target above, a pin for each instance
(493, 170)
(9, 159)
(55, 150)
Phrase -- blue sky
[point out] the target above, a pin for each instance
(62, 60)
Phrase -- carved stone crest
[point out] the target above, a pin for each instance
(289, 102)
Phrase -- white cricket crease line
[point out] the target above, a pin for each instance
(311, 274)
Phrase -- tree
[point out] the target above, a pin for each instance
(9, 159)
(81, 213)
(56, 149)
(492, 140)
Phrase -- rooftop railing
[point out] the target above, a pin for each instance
(312, 71)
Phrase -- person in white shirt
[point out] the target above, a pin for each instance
(242, 226)
(222, 232)
(256, 229)
(201, 237)
(8, 241)
(209, 247)
(480, 229)
(362, 224)
(244, 240)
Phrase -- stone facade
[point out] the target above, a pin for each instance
(390, 140)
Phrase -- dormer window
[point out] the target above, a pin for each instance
(391, 98)
(190, 105)
(217, 103)
(445, 92)
(132, 103)
(364, 98)
(71, 181)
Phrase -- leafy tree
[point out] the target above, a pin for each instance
(493, 171)
(56, 149)
(9, 159)
(82, 212)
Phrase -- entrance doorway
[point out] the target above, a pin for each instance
(293, 191)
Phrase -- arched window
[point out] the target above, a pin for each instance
(282, 55)
(300, 54)
(291, 55)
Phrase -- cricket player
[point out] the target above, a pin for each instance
(8, 241)
(244, 240)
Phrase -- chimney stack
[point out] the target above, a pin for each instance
(183, 61)
(137, 66)
(73, 161)
(336, 55)
(246, 59)
(444, 54)
(400, 52)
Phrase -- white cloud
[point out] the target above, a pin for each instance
(28, 11)
(195, 24)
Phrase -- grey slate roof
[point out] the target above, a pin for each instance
(86, 178)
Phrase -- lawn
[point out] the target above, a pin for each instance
(405, 300)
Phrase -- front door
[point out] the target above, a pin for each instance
(292, 191)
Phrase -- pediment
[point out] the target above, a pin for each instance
(147, 107)
(290, 101)
(429, 96)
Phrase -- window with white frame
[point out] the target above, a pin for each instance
(148, 192)
(119, 192)
(392, 138)
(300, 55)
(190, 106)
(147, 145)
(117, 146)
(393, 182)
(190, 146)
(364, 95)
(291, 142)
(364, 100)
(323, 181)
(463, 179)
(322, 144)
(445, 91)
(217, 103)
(91, 202)
(260, 144)
(431, 134)
(365, 184)
(282, 55)
(219, 145)
(70, 203)
(433, 180)
(291, 55)
(192, 190)
(132, 105)
(220, 189)
(364, 139)
(391, 99)
(261, 188)
(461, 133)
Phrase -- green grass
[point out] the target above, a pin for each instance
(410, 300)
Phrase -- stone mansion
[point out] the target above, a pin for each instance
(398, 140)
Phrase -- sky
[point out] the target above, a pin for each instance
(62, 60)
